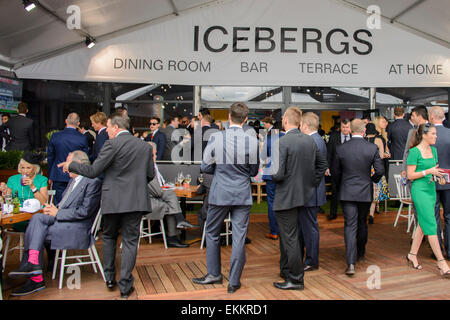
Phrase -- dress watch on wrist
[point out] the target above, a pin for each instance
(34, 190)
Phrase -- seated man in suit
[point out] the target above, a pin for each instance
(167, 202)
(67, 226)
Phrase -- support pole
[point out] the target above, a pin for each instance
(373, 101)
(106, 98)
(197, 102)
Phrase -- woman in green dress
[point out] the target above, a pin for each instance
(422, 165)
(28, 183)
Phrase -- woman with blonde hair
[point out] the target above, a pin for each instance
(29, 183)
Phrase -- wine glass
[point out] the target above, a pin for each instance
(200, 178)
(180, 178)
(188, 179)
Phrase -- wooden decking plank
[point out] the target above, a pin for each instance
(164, 278)
(157, 283)
(173, 277)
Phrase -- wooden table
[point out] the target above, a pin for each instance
(15, 218)
(183, 194)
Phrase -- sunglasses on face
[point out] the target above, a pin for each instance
(153, 123)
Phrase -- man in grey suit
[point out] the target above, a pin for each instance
(232, 156)
(442, 191)
(127, 164)
(67, 226)
(21, 130)
(308, 224)
(297, 171)
(352, 167)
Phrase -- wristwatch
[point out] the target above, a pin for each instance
(34, 190)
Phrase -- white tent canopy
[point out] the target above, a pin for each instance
(38, 44)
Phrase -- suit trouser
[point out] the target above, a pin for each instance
(291, 264)
(129, 224)
(334, 198)
(240, 216)
(355, 227)
(308, 234)
(36, 234)
(59, 187)
(443, 196)
(270, 190)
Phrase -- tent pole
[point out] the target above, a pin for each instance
(373, 101)
(106, 98)
(196, 100)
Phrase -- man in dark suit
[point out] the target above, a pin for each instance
(5, 137)
(83, 128)
(297, 171)
(20, 130)
(98, 121)
(123, 110)
(201, 137)
(398, 134)
(60, 145)
(442, 191)
(157, 137)
(232, 156)
(203, 112)
(336, 139)
(168, 131)
(127, 164)
(308, 224)
(352, 170)
(66, 226)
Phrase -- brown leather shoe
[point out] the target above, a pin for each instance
(272, 236)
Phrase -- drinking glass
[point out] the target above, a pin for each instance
(188, 179)
(200, 178)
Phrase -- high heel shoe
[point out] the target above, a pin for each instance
(444, 274)
(418, 266)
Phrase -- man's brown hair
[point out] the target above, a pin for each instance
(238, 112)
(399, 111)
(23, 107)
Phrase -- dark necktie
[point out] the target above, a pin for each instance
(345, 138)
(67, 194)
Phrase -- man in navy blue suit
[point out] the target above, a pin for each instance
(98, 121)
(158, 137)
(266, 154)
(308, 224)
(59, 147)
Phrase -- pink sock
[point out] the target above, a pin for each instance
(33, 256)
(38, 278)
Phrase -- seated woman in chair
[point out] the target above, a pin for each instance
(29, 184)
(166, 202)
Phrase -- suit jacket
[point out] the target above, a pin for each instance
(333, 142)
(446, 123)
(406, 150)
(163, 201)
(21, 133)
(90, 141)
(397, 132)
(60, 145)
(169, 143)
(206, 132)
(127, 164)
(352, 169)
(443, 149)
(266, 152)
(101, 138)
(298, 170)
(231, 185)
(159, 138)
(72, 228)
(319, 196)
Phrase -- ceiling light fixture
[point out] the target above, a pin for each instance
(28, 5)
(90, 42)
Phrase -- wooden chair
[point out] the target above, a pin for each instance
(257, 191)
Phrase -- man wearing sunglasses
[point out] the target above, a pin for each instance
(158, 137)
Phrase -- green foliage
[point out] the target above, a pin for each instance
(50, 133)
(10, 159)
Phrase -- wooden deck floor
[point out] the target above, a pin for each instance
(166, 274)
